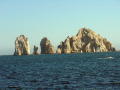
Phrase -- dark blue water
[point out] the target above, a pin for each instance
(87, 71)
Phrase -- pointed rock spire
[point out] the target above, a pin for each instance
(22, 46)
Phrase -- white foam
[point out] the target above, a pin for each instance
(107, 58)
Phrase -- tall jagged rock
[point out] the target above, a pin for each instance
(22, 46)
(35, 50)
(46, 46)
(64, 47)
(86, 40)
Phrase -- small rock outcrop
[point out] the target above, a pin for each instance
(22, 46)
(35, 50)
(46, 46)
(86, 40)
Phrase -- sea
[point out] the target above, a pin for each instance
(80, 71)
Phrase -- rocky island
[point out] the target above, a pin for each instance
(46, 46)
(85, 40)
(35, 50)
(22, 46)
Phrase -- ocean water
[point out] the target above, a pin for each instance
(86, 71)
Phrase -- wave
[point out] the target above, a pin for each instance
(107, 57)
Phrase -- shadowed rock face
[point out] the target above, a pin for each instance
(35, 50)
(46, 46)
(86, 40)
(22, 46)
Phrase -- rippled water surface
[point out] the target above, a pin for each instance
(87, 71)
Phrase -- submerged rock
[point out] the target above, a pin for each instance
(86, 40)
(35, 50)
(46, 46)
(22, 46)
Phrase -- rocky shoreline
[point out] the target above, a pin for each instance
(85, 40)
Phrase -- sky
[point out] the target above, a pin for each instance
(56, 19)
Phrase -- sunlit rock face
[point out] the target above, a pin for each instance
(22, 46)
(35, 50)
(46, 46)
(86, 40)
(58, 51)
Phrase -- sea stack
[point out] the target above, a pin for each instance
(46, 46)
(86, 40)
(35, 50)
(22, 46)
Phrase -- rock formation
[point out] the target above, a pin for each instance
(46, 46)
(35, 50)
(22, 46)
(86, 40)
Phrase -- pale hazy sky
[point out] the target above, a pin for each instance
(56, 19)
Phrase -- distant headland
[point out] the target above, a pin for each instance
(85, 40)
